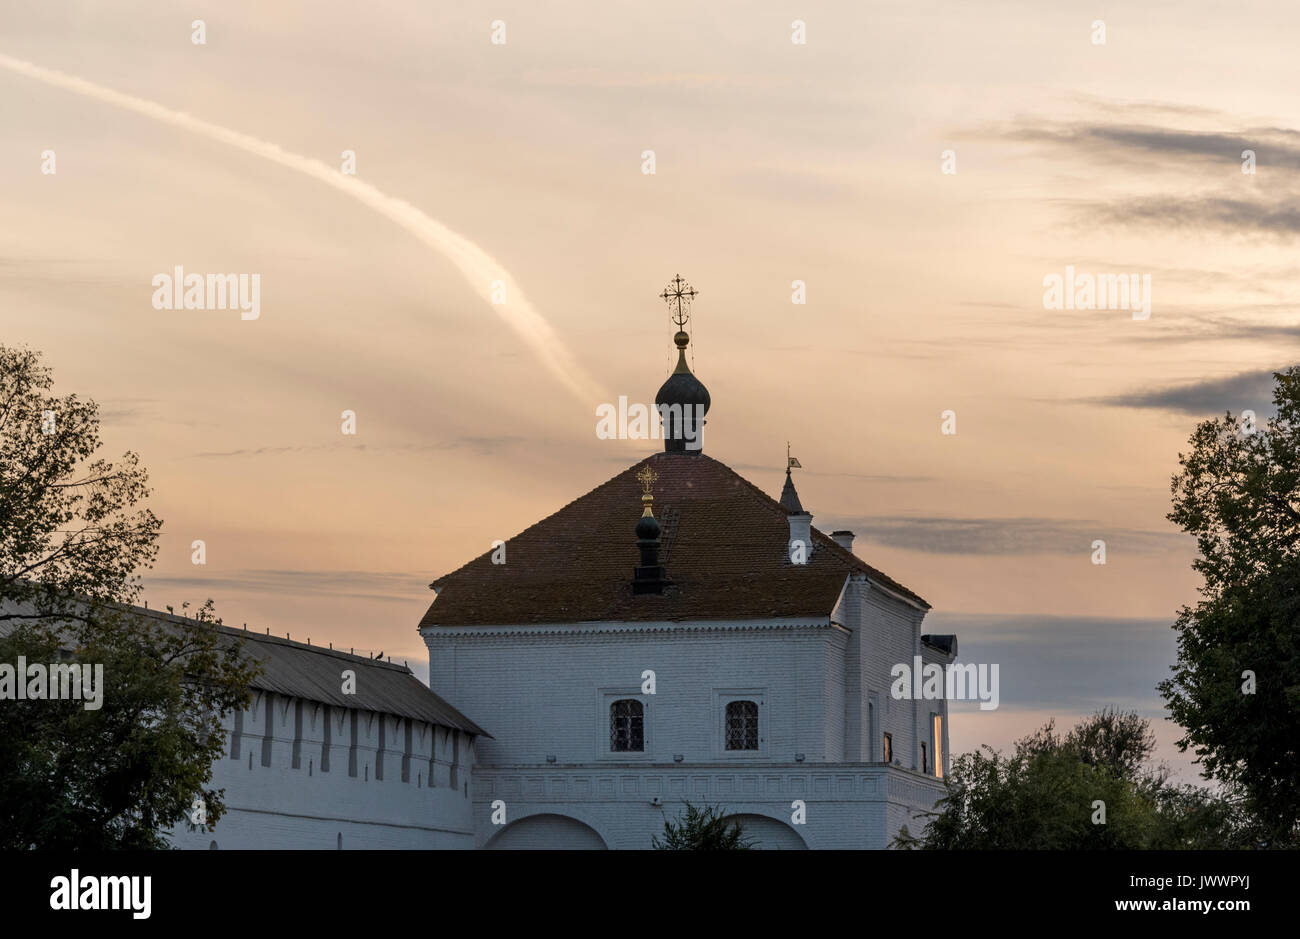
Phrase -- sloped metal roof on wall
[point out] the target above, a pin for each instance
(316, 674)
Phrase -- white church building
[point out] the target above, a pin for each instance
(676, 635)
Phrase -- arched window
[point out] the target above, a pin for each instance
(742, 725)
(626, 726)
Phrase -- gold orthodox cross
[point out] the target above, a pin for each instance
(647, 476)
(679, 294)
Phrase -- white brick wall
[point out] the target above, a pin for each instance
(538, 690)
(891, 634)
(280, 806)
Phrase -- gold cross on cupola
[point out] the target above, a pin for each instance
(678, 295)
(647, 476)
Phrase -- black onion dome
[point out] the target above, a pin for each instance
(647, 528)
(689, 401)
(683, 388)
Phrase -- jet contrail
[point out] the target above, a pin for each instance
(476, 264)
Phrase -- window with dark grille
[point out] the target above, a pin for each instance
(742, 725)
(626, 726)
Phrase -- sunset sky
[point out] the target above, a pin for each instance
(775, 162)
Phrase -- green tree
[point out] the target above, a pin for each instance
(703, 830)
(1117, 741)
(72, 526)
(1236, 684)
(73, 536)
(1045, 795)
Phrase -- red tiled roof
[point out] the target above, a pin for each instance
(725, 550)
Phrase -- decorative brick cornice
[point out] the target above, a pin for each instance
(588, 629)
(772, 782)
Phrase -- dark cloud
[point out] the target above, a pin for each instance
(1191, 327)
(1063, 668)
(1277, 150)
(1278, 216)
(1275, 147)
(1214, 396)
(1005, 536)
(1070, 663)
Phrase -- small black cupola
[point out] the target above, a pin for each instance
(682, 400)
(649, 576)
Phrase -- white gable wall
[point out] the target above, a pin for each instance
(884, 631)
(545, 691)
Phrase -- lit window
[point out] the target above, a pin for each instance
(938, 745)
(889, 748)
(742, 725)
(626, 726)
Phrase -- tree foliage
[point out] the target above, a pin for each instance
(1236, 684)
(72, 525)
(1045, 795)
(705, 829)
(74, 535)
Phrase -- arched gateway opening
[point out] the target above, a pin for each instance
(547, 833)
(769, 833)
